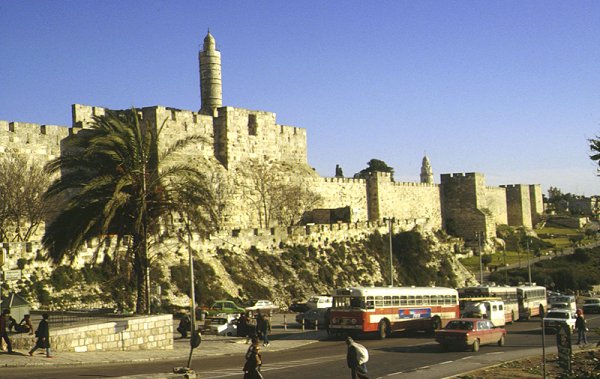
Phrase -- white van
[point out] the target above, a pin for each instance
(492, 310)
(320, 301)
(563, 302)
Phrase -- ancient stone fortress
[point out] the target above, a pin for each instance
(461, 204)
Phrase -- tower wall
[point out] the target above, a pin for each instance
(518, 205)
(537, 202)
(403, 201)
(464, 206)
(496, 203)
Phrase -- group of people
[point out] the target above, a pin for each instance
(7, 322)
(246, 327)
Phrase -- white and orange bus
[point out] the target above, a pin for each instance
(506, 293)
(385, 310)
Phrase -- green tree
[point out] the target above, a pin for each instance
(117, 183)
(372, 166)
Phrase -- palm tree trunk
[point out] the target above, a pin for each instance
(140, 269)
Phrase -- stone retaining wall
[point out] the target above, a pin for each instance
(140, 333)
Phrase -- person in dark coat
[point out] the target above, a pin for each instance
(4, 325)
(242, 325)
(581, 328)
(263, 327)
(185, 324)
(43, 337)
(253, 361)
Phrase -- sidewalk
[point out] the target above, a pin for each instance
(211, 346)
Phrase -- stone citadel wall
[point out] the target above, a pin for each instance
(461, 204)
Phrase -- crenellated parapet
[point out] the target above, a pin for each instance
(38, 141)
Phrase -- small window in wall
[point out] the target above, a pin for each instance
(252, 126)
(173, 115)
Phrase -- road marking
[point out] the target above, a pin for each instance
(445, 363)
(469, 357)
(495, 353)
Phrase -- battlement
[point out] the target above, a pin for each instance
(513, 186)
(415, 184)
(341, 180)
(461, 175)
(31, 129)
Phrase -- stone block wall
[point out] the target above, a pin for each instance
(343, 192)
(536, 202)
(404, 200)
(518, 205)
(495, 198)
(140, 333)
(39, 142)
(464, 211)
(243, 134)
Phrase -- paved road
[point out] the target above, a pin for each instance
(406, 356)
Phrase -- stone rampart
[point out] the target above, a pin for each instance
(140, 333)
(40, 142)
(496, 202)
(343, 192)
(518, 205)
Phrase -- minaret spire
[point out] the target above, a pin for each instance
(426, 171)
(211, 88)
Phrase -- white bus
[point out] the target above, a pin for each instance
(385, 310)
(506, 293)
(532, 301)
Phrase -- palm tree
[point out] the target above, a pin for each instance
(116, 183)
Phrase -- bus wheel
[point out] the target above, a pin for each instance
(383, 330)
(476, 346)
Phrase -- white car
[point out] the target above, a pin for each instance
(255, 305)
(555, 317)
(221, 325)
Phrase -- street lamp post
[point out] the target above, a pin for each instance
(391, 221)
(478, 235)
(192, 296)
(528, 261)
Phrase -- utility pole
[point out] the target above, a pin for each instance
(478, 235)
(390, 221)
(528, 260)
(192, 295)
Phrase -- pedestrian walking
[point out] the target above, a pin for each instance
(43, 337)
(253, 361)
(4, 325)
(263, 325)
(357, 358)
(581, 328)
(185, 324)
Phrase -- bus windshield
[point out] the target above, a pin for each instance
(349, 302)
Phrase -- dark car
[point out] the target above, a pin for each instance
(470, 333)
(591, 306)
(298, 307)
(313, 317)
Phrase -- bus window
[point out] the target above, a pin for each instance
(426, 300)
(403, 300)
(387, 301)
(418, 300)
(370, 302)
(411, 300)
(379, 301)
(395, 300)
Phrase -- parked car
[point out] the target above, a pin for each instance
(470, 333)
(319, 301)
(312, 316)
(298, 307)
(224, 306)
(255, 305)
(220, 326)
(562, 302)
(591, 306)
(556, 316)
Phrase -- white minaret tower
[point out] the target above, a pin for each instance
(426, 171)
(211, 88)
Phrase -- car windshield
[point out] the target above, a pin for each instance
(562, 315)
(459, 325)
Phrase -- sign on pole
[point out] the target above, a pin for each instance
(11, 274)
(563, 343)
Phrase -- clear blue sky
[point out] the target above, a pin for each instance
(507, 88)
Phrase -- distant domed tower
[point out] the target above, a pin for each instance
(426, 171)
(211, 88)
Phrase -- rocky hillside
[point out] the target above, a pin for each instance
(283, 274)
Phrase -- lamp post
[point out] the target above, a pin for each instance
(528, 260)
(192, 296)
(478, 235)
(391, 221)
